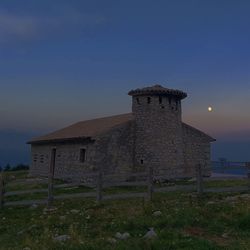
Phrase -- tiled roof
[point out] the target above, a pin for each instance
(95, 127)
(158, 90)
(84, 129)
(198, 132)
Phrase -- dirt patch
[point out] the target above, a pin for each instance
(202, 233)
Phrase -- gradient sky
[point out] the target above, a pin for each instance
(65, 61)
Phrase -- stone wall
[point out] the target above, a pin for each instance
(67, 162)
(40, 159)
(196, 149)
(156, 137)
(158, 141)
(112, 151)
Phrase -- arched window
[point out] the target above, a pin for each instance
(149, 99)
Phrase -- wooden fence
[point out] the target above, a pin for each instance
(2, 191)
(104, 181)
(230, 167)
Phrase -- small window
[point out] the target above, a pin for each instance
(160, 99)
(138, 100)
(82, 155)
(169, 101)
(141, 162)
(41, 158)
(176, 103)
(35, 158)
(149, 100)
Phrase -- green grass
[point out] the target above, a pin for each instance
(226, 183)
(120, 190)
(10, 175)
(187, 222)
(25, 186)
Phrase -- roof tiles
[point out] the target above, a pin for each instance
(158, 90)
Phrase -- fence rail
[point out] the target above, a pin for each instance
(230, 167)
(105, 181)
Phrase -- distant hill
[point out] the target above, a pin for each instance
(13, 147)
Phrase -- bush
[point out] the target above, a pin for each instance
(20, 167)
(7, 167)
(15, 168)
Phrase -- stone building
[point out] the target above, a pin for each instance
(152, 135)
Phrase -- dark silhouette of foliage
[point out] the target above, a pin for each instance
(20, 167)
(8, 167)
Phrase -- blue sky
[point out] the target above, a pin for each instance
(65, 61)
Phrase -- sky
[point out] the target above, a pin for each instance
(66, 61)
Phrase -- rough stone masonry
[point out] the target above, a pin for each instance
(152, 135)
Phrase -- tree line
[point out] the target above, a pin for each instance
(17, 167)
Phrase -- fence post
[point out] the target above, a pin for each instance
(1, 190)
(248, 177)
(199, 179)
(51, 177)
(99, 187)
(150, 184)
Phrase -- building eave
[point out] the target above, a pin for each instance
(61, 140)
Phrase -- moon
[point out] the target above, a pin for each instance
(210, 109)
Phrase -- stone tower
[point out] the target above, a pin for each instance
(158, 129)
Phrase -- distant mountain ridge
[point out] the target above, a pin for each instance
(13, 147)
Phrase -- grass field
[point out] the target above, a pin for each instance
(215, 221)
